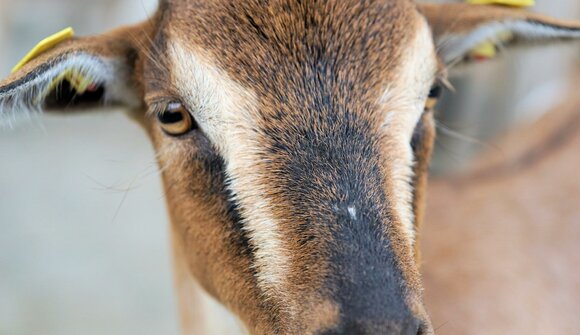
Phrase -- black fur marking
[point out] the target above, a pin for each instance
(213, 166)
(333, 181)
(551, 26)
(364, 278)
(257, 28)
(34, 74)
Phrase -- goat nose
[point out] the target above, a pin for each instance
(412, 326)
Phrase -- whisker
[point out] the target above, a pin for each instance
(120, 205)
(441, 326)
(452, 154)
(131, 187)
(470, 139)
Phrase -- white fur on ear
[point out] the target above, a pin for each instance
(26, 96)
(453, 48)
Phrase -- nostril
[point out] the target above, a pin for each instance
(424, 329)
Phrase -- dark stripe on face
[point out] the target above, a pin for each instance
(330, 170)
(240, 237)
(214, 190)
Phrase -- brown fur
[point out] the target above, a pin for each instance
(312, 83)
(425, 139)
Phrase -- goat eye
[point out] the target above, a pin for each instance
(175, 119)
(433, 97)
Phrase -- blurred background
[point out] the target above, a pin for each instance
(495, 96)
(83, 230)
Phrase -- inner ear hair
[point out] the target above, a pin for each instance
(77, 73)
(520, 33)
(64, 95)
(48, 86)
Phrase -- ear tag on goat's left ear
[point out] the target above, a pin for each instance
(77, 80)
(80, 83)
(45, 45)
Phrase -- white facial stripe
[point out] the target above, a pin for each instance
(226, 112)
(404, 103)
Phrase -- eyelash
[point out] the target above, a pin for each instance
(434, 96)
(173, 118)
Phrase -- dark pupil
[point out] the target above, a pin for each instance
(168, 117)
(435, 92)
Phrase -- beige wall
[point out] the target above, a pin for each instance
(83, 231)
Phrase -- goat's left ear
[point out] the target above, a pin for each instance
(465, 33)
(74, 72)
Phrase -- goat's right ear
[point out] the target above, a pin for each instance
(464, 33)
(77, 72)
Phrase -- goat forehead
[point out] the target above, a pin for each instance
(298, 59)
(302, 56)
(268, 43)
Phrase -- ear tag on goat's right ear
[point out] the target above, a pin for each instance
(45, 45)
(484, 51)
(488, 49)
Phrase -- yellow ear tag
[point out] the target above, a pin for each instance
(484, 51)
(513, 3)
(44, 45)
(77, 80)
(487, 50)
(80, 83)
